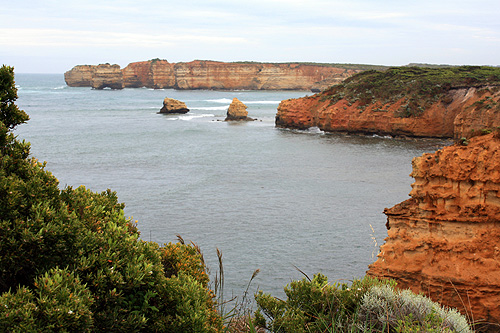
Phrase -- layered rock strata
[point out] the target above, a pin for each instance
(458, 113)
(210, 75)
(445, 240)
(171, 105)
(237, 111)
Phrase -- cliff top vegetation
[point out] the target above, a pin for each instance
(419, 86)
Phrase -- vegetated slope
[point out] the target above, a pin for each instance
(402, 101)
(70, 261)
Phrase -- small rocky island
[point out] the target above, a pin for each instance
(172, 106)
(237, 111)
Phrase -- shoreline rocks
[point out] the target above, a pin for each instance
(456, 114)
(173, 106)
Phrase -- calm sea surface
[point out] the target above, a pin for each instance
(267, 198)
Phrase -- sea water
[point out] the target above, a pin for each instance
(270, 199)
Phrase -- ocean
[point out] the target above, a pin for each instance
(267, 198)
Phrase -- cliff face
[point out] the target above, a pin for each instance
(97, 77)
(444, 241)
(210, 75)
(455, 113)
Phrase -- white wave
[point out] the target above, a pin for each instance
(210, 108)
(193, 116)
(59, 88)
(315, 130)
(220, 100)
(261, 102)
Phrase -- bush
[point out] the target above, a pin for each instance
(367, 305)
(314, 305)
(385, 309)
(71, 261)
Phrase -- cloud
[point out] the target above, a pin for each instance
(65, 38)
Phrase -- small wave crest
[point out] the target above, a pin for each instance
(187, 117)
(210, 108)
(262, 102)
(315, 130)
(220, 100)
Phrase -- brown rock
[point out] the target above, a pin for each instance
(80, 76)
(456, 114)
(171, 105)
(157, 74)
(237, 111)
(107, 76)
(444, 241)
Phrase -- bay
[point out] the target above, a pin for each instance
(268, 198)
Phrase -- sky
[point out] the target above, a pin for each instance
(52, 36)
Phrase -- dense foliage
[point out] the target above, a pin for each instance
(71, 261)
(367, 305)
(418, 86)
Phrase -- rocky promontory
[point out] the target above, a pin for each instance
(403, 101)
(444, 240)
(202, 74)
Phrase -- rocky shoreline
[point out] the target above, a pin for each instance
(434, 109)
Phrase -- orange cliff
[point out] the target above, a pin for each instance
(454, 111)
(208, 75)
(445, 240)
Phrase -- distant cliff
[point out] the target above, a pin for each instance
(444, 241)
(211, 75)
(404, 101)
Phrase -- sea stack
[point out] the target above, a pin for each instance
(171, 105)
(444, 240)
(237, 111)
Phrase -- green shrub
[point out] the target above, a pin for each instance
(18, 311)
(314, 305)
(111, 281)
(366, 305)
(385, 309)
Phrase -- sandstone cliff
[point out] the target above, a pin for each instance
(402, 102)
(97, 77)
(209, 75)
(444, 241)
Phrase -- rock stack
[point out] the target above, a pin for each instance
(237, 111)
(171, 105)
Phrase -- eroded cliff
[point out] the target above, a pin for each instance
(210, 75)
(417, 102)
(445, 240)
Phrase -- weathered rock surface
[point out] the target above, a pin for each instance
(457, 114)
(80, 76)
(107, 76)
(171, 105)
(237, 111)
(445, 240)
(214, 75)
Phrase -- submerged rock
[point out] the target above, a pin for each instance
(237, 111)
(444, 241)
(171, 105)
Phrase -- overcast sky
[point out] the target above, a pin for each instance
(52, 36)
